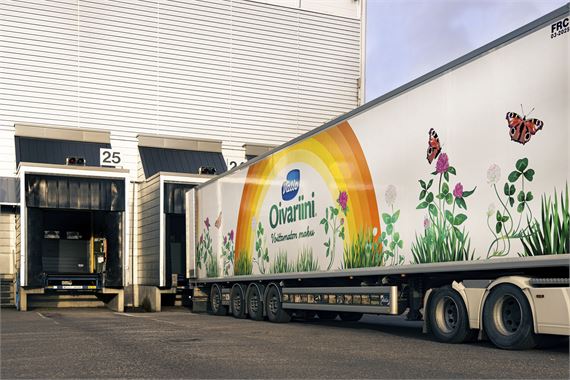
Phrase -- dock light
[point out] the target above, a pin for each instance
(79, 161)
(206, 170)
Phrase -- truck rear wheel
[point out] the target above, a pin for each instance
(273, 306)
(254, 304)
(507, 319)
(327, 315)
(350, 317)
(237, 300)
(215, 306)
(447, 317)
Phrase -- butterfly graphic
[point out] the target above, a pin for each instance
(218, 222)
(434, 148)
(521, 129)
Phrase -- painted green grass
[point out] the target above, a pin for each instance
(551, 234)
(243, 265)
(306, 262)
(438, 245)
(281, 264)
(212, 267)
(363, 252)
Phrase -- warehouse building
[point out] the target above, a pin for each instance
(110, 110)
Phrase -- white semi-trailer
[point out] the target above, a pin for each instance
(446, 198)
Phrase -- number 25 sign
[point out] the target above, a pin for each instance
(110, 157)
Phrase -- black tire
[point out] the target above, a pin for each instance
(327, 315)
(350, 316)
(447, 317)
(215, 306)
(237, 300)
(255, 304)
(507, 319)
(273, 307)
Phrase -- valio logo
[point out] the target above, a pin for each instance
(290, 186)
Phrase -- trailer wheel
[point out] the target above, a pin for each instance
(237, 300)
(507, 319)
(447, 317)
(254, 304)
(327, 315)
(273, 306)
(350, 317)
(215, 306)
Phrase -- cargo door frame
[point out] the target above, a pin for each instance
(25, 168)
(183, 179)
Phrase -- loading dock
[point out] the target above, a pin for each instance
(71, 230)
(169, 168)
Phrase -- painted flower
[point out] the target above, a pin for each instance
(391, 195)
(225, 240)
(202, 238)
(341, 221)
(374, 231)
(493, 174)
(442, 163)
(491, 209)
(458, 190)
(232, 235)
(427, 222)
(342, 200)
(207, 223)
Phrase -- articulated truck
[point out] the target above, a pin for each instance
(446, 199)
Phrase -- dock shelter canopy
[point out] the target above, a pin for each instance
(52, 151)
(155, 160)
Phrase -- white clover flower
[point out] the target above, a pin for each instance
(491, 209)
(493, 174)
(391, 195)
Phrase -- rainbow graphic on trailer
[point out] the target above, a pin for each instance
(325, 177)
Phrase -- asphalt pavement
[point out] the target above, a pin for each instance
(96, 343)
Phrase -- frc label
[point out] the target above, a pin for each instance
(560, 27)
(290, 187)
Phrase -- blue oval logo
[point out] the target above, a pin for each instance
(290, 187)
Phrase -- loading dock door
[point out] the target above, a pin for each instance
(174, 210)
(49, 198)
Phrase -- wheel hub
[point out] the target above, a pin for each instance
(216, 301)
(447, 314)
(273, 305)
(507, 314)
(254, 303)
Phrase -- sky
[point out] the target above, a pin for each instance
(408, 38)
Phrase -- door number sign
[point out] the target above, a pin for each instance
(110, 157)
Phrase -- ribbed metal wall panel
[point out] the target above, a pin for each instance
(238, 71)
(235, 70)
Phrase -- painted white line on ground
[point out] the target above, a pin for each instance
(129, 315)
(44, 317)
(41, 315)
(147, 317)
